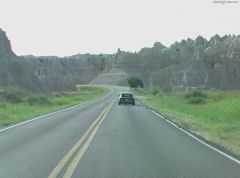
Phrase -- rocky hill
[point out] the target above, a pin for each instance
(213, 63)
(47, 73)
(186, 64)
(14, 72)
(61, 74)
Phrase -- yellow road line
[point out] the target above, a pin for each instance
(81, 152)
(66, 158)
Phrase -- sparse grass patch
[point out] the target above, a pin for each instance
(22, 105)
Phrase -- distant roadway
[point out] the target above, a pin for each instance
(100, 139)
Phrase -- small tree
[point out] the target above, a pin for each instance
(135, 82)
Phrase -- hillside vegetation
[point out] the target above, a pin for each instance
(213, 115)
(18, 105)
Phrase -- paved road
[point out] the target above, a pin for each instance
(103, 140)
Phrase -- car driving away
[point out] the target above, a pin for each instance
(126, 98)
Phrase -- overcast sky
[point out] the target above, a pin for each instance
(67, 27)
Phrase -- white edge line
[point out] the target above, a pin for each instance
(197, 139)
(51, 113)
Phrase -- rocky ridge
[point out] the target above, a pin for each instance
(14, 72)
(186, 64)
(213, 63)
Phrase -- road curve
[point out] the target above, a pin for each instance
(100, 139)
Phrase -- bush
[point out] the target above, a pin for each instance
(196, 97)
(155, 90)
(61, 102)
(38, 100)
(12, 95)
(3, 105)
(60, 94)
(196, 93)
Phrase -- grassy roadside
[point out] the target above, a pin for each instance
(17, 105)
(216, 118)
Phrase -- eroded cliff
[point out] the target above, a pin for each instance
(213, 63)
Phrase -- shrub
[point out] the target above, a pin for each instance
(155, 90)
(196, 97)
(60, 94)
(3, 105)
(61, 102)
(12, 95)
(196, 93)
(38, 100)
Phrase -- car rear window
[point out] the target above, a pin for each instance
(127, 95)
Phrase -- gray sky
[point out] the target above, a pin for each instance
(67, 27)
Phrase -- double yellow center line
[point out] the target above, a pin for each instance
(82, 145)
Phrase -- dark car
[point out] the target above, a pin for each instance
(126, 98)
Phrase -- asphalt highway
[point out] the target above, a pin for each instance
(101, 139)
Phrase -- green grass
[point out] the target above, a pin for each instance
(217, 119)
(17, 105)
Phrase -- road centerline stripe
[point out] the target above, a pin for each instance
(80, 142)
(71, 168)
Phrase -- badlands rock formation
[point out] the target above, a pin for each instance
(213, 63)
(186, 64)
